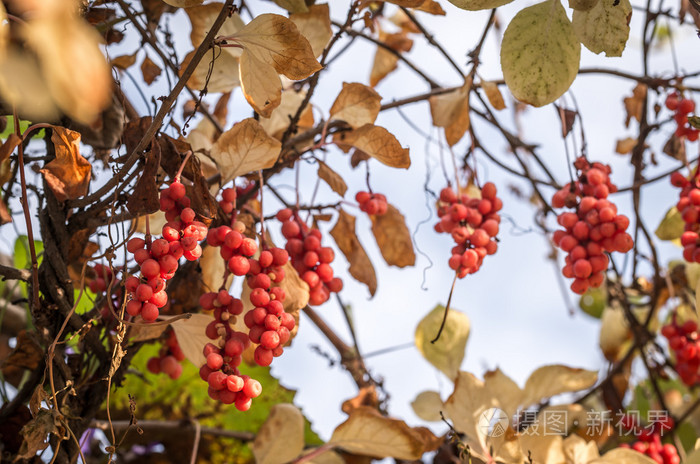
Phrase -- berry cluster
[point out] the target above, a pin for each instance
(682, 107)
(649, 442)
(683, 340)
(372, 203)
(689, 207)
(592, 229)
(168, 359)
(309, 258)
(228, 200)
(220, 371)
(473, 224)
(158, 260)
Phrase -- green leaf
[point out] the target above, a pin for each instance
(22, 257)
(474, 5)
(23, 125)
(447, 353)
(671, 226)
(605, 27)
(540, 53)
(694, 121)
(594, 301)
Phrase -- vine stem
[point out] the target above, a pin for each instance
(25, 209)
(447, 310)
(182, 166)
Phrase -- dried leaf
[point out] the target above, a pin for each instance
(427, 406)
(293, 6)
(68, 175)
(625, 146)
(675, 148)
(356, 104)
(183, 3)
(376, 142)
(451, 111)
(407, 3)
(604, 27)
(623, 456)
(548, 381)
(143, 332)
(281, 437)
(134, 132)
(191, 336)
(315, 25)
(37, 432)
(26, 355)
(216, 75)
(144, 199)
(213, 270)
(9, 146)
(493, 94)
(244, 148)
(635, 104)
(279, 120)
(260, 83)
(579, 451)
(447, 353)
(22, 85)
(614, 333)
(124, 61)
(384, 63)
(149, 70)
(432, 7)
(393, 238)
(360, 266)
(332, 178)
(367, 396)
(368, 433)
(5, 215)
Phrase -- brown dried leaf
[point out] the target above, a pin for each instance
(451, 111)
(202, 202)
(5, 216)
(378, 143)
(224, 72)
(150, 70)
(144, 199)
(184, 3)
(332, 178)
(244, 148)
(432, 7)
(675, 148)
(407, 3)
(281, 437)
(315, 25)
(551, 380)
(356, 104)
(367, 396)
(191, 337)
(625, 146)
(368, 433)
(9, 146)
(124, 61)
(493, 94)
(68, 175)
(357, 157)
(360, 265)
(134, 132)
(384, 63)
(635, 103)
(278, 121)
(143, 332)
(36, 433)
(260, 83)
(213, 270)
(393, 238)
(26, 355)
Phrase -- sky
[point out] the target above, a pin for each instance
(519, 318)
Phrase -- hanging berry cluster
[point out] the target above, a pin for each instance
(649, 442)
(309, 258)
(689, 207)
(169, 358)
(473, 224)
(372, 203)
(158, 260)
(269, 326)
(683, 341)
(682, 107)
(592, 229)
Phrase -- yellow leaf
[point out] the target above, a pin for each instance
(368, 433)
(447, 353)
(579, 451)
(427, 406)
(315, 25)
(124, 61)
(360, 266)
(73, 67)
(378, 143)
(260, 83)
(624, 146)
(183, 3)
(604, 27)
(191, 336)
(493, 94)
(202, 18)
(548, 381)
(615, 334)
(332, 178)
(278, 121)
(384, 63)
(213, 270)
(281, 437)
(356, 104)
(68, 175)
(451, 111)
(540, 53)
(244, 148)
(474, 5)
(223, 77)
(671, 226)
(582, 5)
(275, 40)
(393, 238)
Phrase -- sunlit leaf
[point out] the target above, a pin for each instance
(68, 175)
(604, 27)
(378, 143)
(315, 25)
(360, 266)
(671, 226)
(447, 352)
(427, 406)
(356, 104)
(393, 238)
(281, 438)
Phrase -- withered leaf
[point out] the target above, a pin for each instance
(37, 431)
(134, 132)
(144, 199)
(191, 336)
(217, 75)
(278, 121)
(378, 143)
(149, 70)
(69, 174)
(332, 178)
(624, 146)
(5, 216)
(493, 94)
(356, 104)
(384, 63)
(244, 148)
(360, 266)
(393, 238)
(315, 25)
(407, 3)
(635, 103)
(9, 146)
(281, 437)
(432, 7)
(451, 111)
(26, 355)
(124, 61)
(260, 83)
(202, 202)
(675, 148)
(184, 3)
(293, 6)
